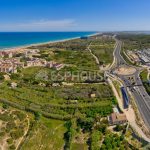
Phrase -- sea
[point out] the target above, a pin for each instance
(10, 40)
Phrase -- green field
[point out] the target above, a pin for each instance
(78, 60)
(144, 75)
(132, 41)
(46, 134)
(145, 81)
(103, 49)
(68, 74)
(77, 146)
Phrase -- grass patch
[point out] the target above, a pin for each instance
(78, 146)
(104, 51)
(135, 41)
(47, 134)
(144, 75)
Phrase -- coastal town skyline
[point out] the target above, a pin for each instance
(70, 15)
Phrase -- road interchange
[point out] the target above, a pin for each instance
(137, 89)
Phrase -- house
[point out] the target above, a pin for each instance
(42, 84)
(55, 84)
(7, 54)
(58, 66)
(1, 54)
(92, 95)
(67, 84)
(49, 64)
(116, 119)
(7, 68)
(7, 77)
(30, 52)
(10, 65)
(13, 85)
(16, 62)
(10, 55)
(19, 64)
(36, 62)
(29, 63)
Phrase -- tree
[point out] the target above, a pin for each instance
(118, 128)
(96, 137)
(1, 76)
(37, 115)
(68, 136)
(5, 106)
(14, 76)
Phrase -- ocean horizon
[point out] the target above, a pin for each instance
(10, 40)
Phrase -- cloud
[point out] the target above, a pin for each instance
(41, 25)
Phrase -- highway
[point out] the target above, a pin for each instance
(119, 59)
(137, 89)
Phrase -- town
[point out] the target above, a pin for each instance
(10, 62)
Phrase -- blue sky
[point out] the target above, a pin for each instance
(74, 15)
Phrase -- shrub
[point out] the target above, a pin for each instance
(5, 106)
(12, 147)
(2, 134)
(37, 115)
(10, 141)
(10, 125)
(17, 133)
(95, 140)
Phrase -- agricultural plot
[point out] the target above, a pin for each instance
(62, 100)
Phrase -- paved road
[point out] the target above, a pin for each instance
(140, 95)
(119, 58)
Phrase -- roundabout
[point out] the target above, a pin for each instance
(125, 70)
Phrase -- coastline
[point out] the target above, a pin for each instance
(24, 48)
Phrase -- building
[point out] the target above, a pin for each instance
(134, 56)
(49, 64)
(1, 54)
(117, 119)
(10, 65)
(116, 110)
(58, 66)
(92, 95)
(10, 55)
(13, 85)
(6, 54)
(8, 68)
(144, 56)
(144, 59)
(36, 62)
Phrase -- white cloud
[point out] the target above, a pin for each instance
(41, 25)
